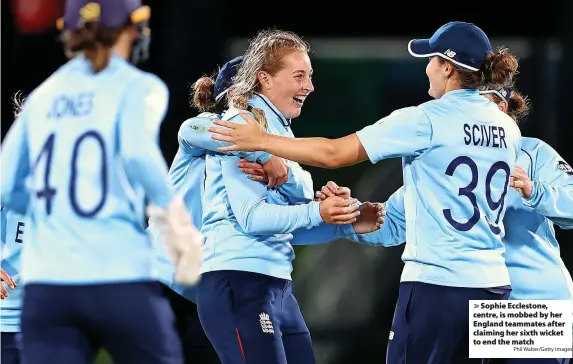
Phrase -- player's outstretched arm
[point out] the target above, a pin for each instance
(321, 152)
(370, 219)
(405, 132)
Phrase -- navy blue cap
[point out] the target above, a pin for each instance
(225, 77)
(108, 13)
(502, 93)
(461, 43)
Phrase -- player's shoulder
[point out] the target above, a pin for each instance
(407, 113)
(145, 81)
(51, 85)
(545, 157)
(538, 149)
(200, 122)
(506, 120)
(135, 79)
(532, 144)
(409, 110)
(146, 88)
(234, 114)
(431, 103)
(152, 81)
(435, 104)
(431, 108)
(201, 117)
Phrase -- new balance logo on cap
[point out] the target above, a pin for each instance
(450, 53)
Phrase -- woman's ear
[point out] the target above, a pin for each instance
(264, 79)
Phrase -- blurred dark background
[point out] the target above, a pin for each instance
(362, 73)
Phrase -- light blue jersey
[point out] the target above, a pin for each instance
(88, 144)
(532, 252)
(13, 234)
(187, 174)
(298, 188)
(247, 226)
(532, 256)
(457, 161)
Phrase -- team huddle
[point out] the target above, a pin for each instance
(104, 246)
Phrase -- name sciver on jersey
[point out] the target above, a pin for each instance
(485, 136)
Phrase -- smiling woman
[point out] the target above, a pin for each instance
(277, 66)
(249, 228)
